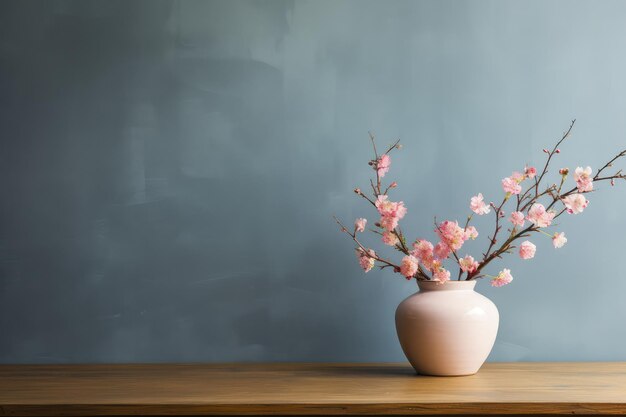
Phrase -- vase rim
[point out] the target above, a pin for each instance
(446, 286)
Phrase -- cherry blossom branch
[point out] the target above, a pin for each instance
(404, 249)
(497, 229)
(377, 188)
(357, 191)
(555, 149)
(534, 199)
(526, 205)
(467, 222)
(363, 248)
(506, 246)
(496, 254)
(610, 164)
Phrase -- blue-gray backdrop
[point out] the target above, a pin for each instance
(169, 170)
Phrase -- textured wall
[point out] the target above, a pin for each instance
(169, 169)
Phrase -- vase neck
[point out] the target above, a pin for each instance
(446, 286)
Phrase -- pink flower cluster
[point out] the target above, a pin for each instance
(503, 278)
(517, 218)
(530, 172)
(383, 164)
(366, 259)
(452, 235)
(409, 266)
(575, 203)
(539, 216)
(511, 185)
(390, 238)
(431, 257)
(478, 206)
(468, 264)
(583, 179)
(391, 212)
(527, 250)
(359, 225)
(558, 240)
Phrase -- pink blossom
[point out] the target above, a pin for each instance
(468, 264)
(391, 212)
(389, 223)
(390, 238)
(558, 240)
(451, 234)
(517, 177)
(478, 206)
(382, 165)
(583, 179)
(422, 249)
(517, 218)
(471, 233)
(441, 274)
(511, 186)
(359, 224)
(442, 251)
(430, 262)
(366, 259)
(538, 215)
(575, 203)
(503, 278)
(435, 264)
(409, 266)
(530, 172)
(527, 250)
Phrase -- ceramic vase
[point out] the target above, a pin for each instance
(447, 329)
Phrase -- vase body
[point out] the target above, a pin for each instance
(447, 329)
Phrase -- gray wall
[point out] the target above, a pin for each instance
(169, 170)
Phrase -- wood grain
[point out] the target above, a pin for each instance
(310, 389)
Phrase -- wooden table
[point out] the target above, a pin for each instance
(310, 389)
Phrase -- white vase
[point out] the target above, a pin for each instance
(447, 329)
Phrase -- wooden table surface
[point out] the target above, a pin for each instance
(310, 389)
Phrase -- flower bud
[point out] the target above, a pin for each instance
(546, 151)
(393, 185)
(399, 146)
(558, 151)
(564, 171)
(357, 191)
(377, 224)
(396, 269)
(612, 181)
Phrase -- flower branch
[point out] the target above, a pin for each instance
(424, 260)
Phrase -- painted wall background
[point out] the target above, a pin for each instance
(169, 170)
